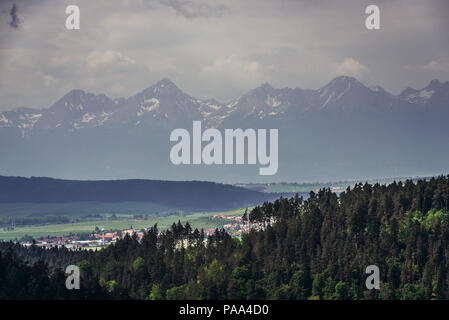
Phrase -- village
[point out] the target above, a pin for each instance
(99, 238)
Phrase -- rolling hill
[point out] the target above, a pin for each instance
(189, 195)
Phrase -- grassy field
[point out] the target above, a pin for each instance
(77, 209)
(197, 220)
(336, 186)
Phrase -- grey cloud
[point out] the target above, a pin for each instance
(15, 21)
(216, 49)
(190, 9)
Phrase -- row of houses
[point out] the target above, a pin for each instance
(234, 225)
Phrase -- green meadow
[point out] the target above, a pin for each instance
(123, 221)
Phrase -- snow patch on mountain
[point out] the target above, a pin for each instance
(88, 117)
(29, 120)
(4, 122)
(165, 105)
(90, 120)
(148, 106)
(420, 96)
(272, 101)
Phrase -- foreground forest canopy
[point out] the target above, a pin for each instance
(317, 249)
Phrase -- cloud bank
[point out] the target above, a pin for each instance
(15, 21)
(216, 49)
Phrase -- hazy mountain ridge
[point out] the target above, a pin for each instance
(343, 130)
(165, 103)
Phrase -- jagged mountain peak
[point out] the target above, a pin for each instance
(79, 96)
(345, 79)
(342, 83)
(407, 91)
(163, 87)
(80, 100)
(166, 82)
(261, 91)
(341, 92)
(266, 86)
(423, 95)
(74, 93)
(434, 83)
(69, 100)
(165, 102)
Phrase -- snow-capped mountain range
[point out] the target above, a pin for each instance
(165, 104)
(326, 133)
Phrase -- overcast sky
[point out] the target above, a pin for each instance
(215, 48)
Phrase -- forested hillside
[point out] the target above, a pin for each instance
(317, 249)
(186, 195)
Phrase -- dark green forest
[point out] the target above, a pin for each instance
(48, 190)
(317, 248)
